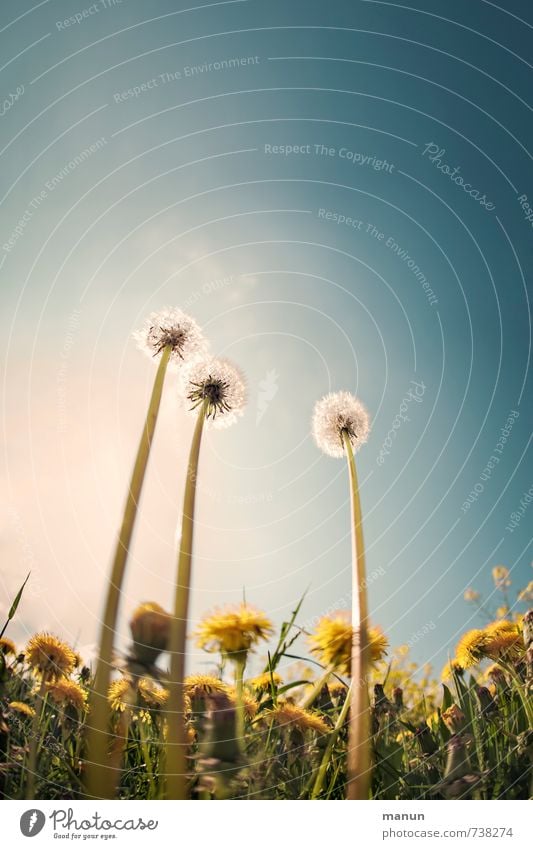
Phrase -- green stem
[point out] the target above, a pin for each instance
(99, 780)
(240, 664)
(341, 719)
(519, 685)
(176, 747)
(359, 725)
(35, 739)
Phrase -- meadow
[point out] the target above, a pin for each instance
(335, 712)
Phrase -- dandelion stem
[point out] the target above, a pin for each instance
(341, 719)
(31, 768)
(359, 724)
(176, 762)
(100, 781)
(240, 665)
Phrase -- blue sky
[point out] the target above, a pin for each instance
(286, 173)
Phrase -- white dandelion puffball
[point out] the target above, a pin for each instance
(337, 414)
(171, 326)
(221, 385)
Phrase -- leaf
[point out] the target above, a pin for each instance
(447, 698)
(292, 685)
(18, 597)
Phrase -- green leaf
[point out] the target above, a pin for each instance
(447, 698)
(18, 597)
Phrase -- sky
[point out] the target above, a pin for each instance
(340, 193)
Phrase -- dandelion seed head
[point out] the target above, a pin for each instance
(170, 326)
(221, 385)
(336, 415)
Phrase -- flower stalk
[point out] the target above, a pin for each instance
(359, 722)
(35, 739)
(99, 780)
(176, 747)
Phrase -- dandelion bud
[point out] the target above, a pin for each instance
(150, 629)
(454, 719)
(397, 695)
(527, 628)
(487, 704)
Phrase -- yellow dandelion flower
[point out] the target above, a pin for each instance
(264, 681)
(7, 646)
(68, 693)
(471, 648)
(121, 694)
(332, 642)
(470, 595)
(248, 702)
(337, 688)
(233, 630)
(21, 707)
(502, 611)
(500, 576)
(527, 593)
(288, 716)
(378, 644)
(503, 637)
(50, 656)
(449, 668)
(151, 693)
(203, 686)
